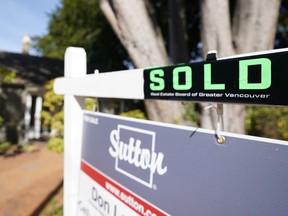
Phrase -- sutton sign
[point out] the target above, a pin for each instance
(250, 79)
(135, 167)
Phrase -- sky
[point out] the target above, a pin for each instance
(23, 17)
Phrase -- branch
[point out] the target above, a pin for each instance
(111, 17)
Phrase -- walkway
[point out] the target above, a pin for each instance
(28, 180)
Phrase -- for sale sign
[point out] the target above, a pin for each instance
(132, 167)
(250, 79)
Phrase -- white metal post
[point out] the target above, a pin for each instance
(75, 66)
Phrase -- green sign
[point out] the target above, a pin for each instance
(251, 79)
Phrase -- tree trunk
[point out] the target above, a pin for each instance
(178, 49)
(216, 27)
(255, 24)
(253, 30)
(142, 39)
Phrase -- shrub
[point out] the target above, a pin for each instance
(56, 145)
(52, 114)
(53, 118)
(4, 146)
(7, 76)
(137, 113)
(271, 122)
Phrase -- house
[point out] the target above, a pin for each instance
(21, 102)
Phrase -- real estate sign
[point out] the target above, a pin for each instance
(249, 79)
(134, 167)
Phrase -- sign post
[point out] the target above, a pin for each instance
(255, 78)
(75, 66)
(132, 167)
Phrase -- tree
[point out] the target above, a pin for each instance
(132, 22)
(147, 28)
(229, 29)
(81, 23)
(178, 38)
(248, 29)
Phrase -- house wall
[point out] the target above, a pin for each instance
(12, 109)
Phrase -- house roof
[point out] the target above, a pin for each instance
(33, 69)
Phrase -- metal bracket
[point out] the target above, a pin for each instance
(212, 56)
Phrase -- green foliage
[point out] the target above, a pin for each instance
(1, 120)
(269, 122)
(7, 76)
(57, 123)
(8, 149)
(54, 208)
(91, 104)
(30, 148)
(52, 113)
(191, 114)
(56, 145)
(5, 146)
(46, 119)
(53, 117)
(137, 113)
(53, 102)
(81, 23)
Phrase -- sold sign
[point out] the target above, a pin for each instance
(251, 79)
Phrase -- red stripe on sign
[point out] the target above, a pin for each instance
(136, 204)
